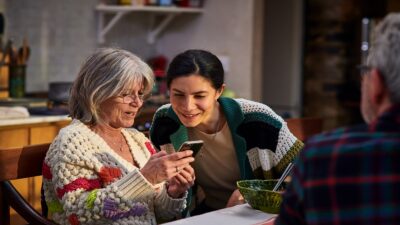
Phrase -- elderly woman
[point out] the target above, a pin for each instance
(100, 171)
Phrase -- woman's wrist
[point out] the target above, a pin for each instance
(171, 193)
(147, 177)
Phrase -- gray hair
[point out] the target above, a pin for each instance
(104, 74)
(385, 53)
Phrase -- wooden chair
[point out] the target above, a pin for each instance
(303, 128)
(16, 163)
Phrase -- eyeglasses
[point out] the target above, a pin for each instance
(129, 98)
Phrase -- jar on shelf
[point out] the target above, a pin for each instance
(131, 2)
(151, 2)
(165, 2)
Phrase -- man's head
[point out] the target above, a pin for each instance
(381, 77)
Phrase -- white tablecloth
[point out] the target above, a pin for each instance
(237, 215)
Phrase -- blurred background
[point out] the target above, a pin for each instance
(297, 56)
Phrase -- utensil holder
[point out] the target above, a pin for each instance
(17, 81)
(4, 80)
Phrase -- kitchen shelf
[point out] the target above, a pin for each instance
(118, 12)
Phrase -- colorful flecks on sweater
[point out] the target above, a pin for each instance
(73, 219)
(83, 183)
(112, 211)
(46, 172)
(109, 174)
(150, 147)
(54, 206)
(91, 198)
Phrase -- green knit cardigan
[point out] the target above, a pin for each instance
(263, 143)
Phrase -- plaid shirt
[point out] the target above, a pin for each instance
(348, 176)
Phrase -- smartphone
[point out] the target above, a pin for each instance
(195, 146)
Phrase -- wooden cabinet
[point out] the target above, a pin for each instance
(29, 134)
(14, 137)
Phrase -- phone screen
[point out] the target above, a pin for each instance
(195, 146)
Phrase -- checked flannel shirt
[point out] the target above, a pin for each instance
(348, 176)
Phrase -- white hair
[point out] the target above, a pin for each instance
(106, 73)
(384, 54)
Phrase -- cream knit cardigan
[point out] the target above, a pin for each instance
(86, 182)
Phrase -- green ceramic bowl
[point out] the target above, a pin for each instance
(259, 195)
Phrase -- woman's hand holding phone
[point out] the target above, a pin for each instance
(163, 166)
(185, 178)
(179, 184)
(174, 168)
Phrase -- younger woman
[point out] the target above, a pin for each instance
(242, 139)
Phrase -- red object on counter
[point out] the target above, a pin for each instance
(158, 64)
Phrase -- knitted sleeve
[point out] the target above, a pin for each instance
(287, 149)
(270, 144)
(165, 207)
(82, 186)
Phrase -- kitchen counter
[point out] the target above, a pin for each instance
(34, 120)
(32, 130)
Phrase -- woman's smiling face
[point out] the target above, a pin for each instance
(193, 98)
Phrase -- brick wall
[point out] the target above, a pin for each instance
(331, 83)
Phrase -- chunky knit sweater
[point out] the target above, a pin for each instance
(86, 182)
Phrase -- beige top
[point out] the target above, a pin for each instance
(216, 166)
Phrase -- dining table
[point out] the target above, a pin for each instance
(242, 214)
